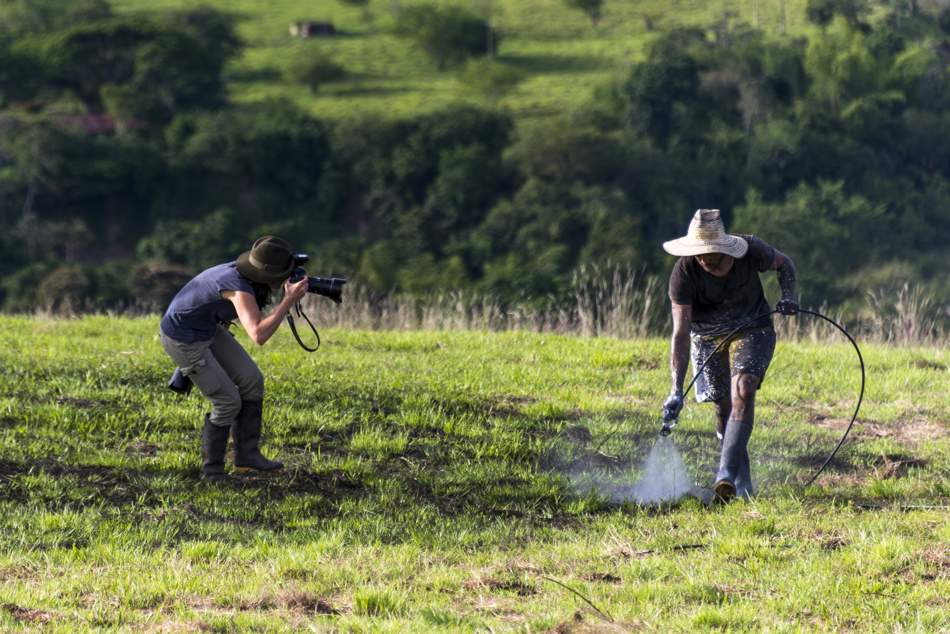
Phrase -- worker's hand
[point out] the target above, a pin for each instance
(672, 405)
(294, 291)
(787, 306)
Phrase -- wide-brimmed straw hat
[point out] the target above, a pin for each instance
(707, 235)
(269, 261)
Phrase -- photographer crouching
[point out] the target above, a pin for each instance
(195, 337)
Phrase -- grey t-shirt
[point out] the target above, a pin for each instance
(198, 308)
(721, 304)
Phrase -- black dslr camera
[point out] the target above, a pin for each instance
(331, 287)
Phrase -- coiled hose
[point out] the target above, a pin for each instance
(728, 338)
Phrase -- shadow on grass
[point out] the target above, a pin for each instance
(267, 74)
(357, 90)
(545, 64)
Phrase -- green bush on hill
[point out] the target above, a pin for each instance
(448, 34)
(314, 71)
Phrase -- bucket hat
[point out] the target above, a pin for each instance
(269, 261)
(706, 234)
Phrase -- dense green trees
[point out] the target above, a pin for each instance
(124, 166)
(448, 34)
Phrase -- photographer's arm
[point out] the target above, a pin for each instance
(260, 328)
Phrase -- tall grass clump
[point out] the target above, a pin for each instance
(909, 317)
(610, 301)
(602, 301)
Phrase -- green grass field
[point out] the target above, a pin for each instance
(563, 58)
(432, 486)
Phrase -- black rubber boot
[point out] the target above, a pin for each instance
(214, 444)
(247, 439)
(734, 444)
(744, 478)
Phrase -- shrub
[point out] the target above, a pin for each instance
(64, 291)
(314, 70)
(448, 35)
(491, 78)
(592, 8)
(155, 284)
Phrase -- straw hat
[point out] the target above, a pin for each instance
(269, 261)
(706, 235)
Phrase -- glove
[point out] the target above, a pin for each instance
(672, 406)
(787, 306)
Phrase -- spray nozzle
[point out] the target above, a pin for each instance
(669, 422)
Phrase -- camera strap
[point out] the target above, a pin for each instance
(293, 327)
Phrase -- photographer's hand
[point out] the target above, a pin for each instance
(294, 292)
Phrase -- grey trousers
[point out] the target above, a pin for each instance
(223, 371)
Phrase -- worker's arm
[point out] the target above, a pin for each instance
(788, 305)
(679, 345)
(679, 357)
(260, 328)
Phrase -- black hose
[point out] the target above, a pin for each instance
(728, 338)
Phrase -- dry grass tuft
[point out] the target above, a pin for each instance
(627, 304)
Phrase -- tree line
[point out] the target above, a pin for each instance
(124, 166)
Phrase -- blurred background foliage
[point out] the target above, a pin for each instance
(137, 147)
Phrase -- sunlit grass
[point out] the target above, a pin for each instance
(428, 488)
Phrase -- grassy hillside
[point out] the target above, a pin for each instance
(432, 485)
(561, 55)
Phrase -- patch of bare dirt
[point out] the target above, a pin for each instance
(26, 615)
(578, 433)
(911, 431)
(936, 563)
(307, 602)
(508, 405)
(498, 607)
(519, 586)
(513, 577)
(141, 448)
(895, 466)
(578, 625)
(834, 542)
(81, 403)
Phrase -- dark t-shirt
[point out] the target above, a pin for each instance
(198, 308)
(720, 304)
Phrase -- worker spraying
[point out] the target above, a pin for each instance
(716, 294)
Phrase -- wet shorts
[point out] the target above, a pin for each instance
(751, 352)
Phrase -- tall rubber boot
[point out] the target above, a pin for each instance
(744, 478)
(214, 444)
(247, 439)
(734, 444)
